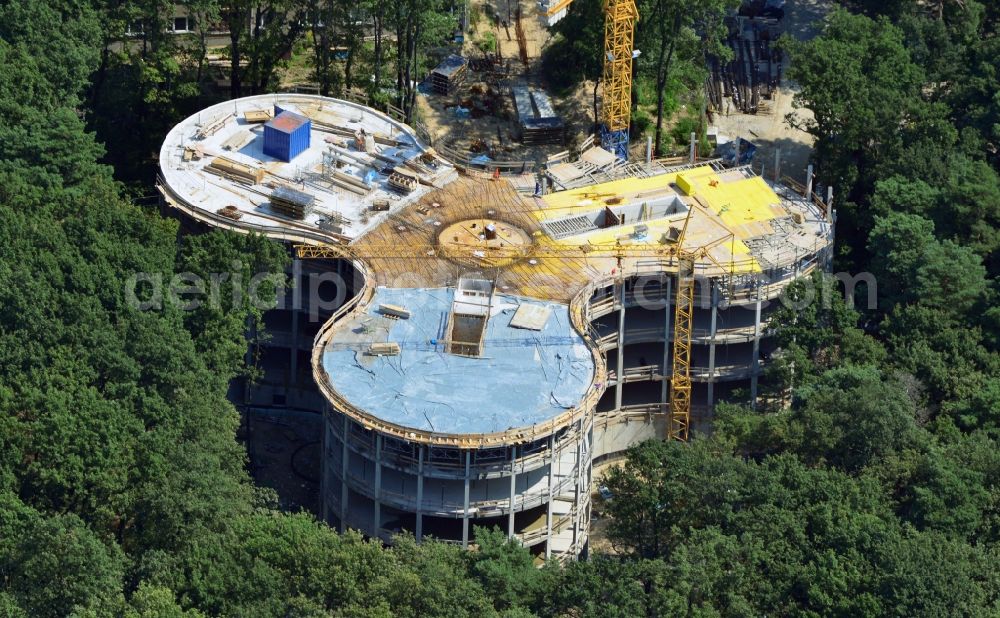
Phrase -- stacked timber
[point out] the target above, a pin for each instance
(256, 116)
(238, 140)
(351, 183)
(349, 133)
(388, 348)
(235, 170)
(212, 127)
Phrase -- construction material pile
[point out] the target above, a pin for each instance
(539, 122)
(292, 202)
(748, 82)
(446, 77)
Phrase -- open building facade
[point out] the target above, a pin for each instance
(493, 346)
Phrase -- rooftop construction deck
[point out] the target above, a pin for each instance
(522, 377)
(750, 225)
(417, 245)
(343, 160)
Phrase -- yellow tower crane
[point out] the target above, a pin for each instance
(679, 411)
(616, 103)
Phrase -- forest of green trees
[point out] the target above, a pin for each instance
(124, 492)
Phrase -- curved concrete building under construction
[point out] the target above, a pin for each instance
(493, 345)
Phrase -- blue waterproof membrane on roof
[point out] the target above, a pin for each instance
(523, 376)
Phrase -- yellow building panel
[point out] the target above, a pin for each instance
(742, 209)
(593, 197)
(741, 204)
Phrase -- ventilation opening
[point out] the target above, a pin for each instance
(466, 335)
(467, 320)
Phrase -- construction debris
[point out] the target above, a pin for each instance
(193, 154)
(230, 212)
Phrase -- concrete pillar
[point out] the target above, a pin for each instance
(465, 502)
(294, 365)
(297, 289)
(325, 471)
(419, 533)
(577, 495)
(378, 484)
(809, 182)
(548, 514)
(694, 146)
(829, 202)
(711, 347)
(755, 368)
(620, 366)
(344, 458)
(777, 164)
(667, 347)
(513, 492)
(649, 151)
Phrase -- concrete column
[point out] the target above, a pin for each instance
(344, 458)
(513, 492)
(667, 347)
(755, 369)
(465, 502)
(649, 151)
(694, 146)
(809, 182)
(419, 533)
(327, 449)
(711, 347)
(297, 278)
(620, 367)
(548, 514)
(576, 487)
(378, 484)
(829, 202)
(294, 375)
(777, 164)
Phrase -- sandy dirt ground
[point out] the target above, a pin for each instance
(500, 130)
(802, 20)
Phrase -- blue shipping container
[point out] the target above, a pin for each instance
(286, 136)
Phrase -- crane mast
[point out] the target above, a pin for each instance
(679, 419)
(616, 103)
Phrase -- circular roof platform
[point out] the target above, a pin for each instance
(461, 241)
